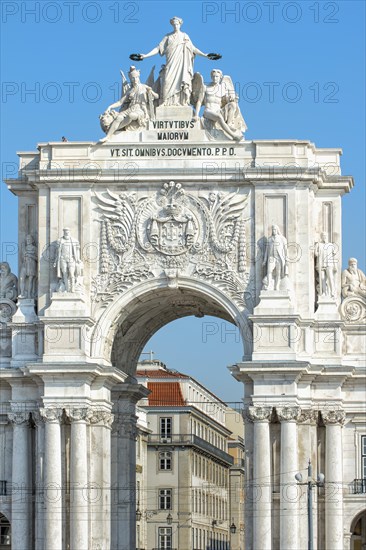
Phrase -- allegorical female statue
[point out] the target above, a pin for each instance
(176, 77)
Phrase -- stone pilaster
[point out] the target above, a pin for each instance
(288, 416)
(53, 494)
(262, 494)
(79, 489)
(124, 432)
(100, 477)
(334, 420)
(21, 481)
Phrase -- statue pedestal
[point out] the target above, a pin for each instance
(66, 304)
(174, 112)
(25, 312)
(274, 302)
(25, 328)
(327, 308)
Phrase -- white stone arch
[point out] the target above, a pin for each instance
(158, 304)
(360, 542)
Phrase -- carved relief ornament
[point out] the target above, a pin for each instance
(259, 414)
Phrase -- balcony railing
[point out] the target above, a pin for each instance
(185, 440)
(359, 486)
(3, 492)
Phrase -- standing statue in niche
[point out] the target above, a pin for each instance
(179, 52)
(136, 107)
(275, 260)
(8, 283)
(326, 265)
(221, 104)
(68, 262)
(28, 270)
(353, 280)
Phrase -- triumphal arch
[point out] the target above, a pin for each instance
(175, 213)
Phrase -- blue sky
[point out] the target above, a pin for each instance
(299, 70)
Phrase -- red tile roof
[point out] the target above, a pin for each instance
(165, 394)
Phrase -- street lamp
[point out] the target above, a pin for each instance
(310, 484)
(169, 519)
(233, 528)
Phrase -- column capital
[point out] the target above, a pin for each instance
(19, 418)
(78, 414)
(288, 413)
(258, 413)
(309, 416)
(51, 414)
(101, 418)
(125, 425)
(333, 416)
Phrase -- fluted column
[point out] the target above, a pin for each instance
(53, 500)
(288, 417)
(21, 481)
(262, 494)
(100, 477)
(79, 490)
(333, 420)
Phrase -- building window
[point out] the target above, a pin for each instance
(165, 499)
(165, 461)
(166, 428)
(165, 538)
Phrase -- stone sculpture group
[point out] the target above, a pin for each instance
(176, 86)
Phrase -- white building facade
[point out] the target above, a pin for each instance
(120, 237)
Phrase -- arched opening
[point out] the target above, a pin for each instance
(183, 433)
(5, 533)
(202, 348)
(358, 530)
(138, 319)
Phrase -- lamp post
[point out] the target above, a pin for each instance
(310, 485)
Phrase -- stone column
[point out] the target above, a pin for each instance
(53, 494)
(308, 448)
(100, 477)
(262, 493)
(288, 417)
(333, 420)
(21, 482)
(79, 490)
(39, 494)
(125, 419)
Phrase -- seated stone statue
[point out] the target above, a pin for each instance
(221, 104)
(353, 280)
(136, 107)
(8, 283)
